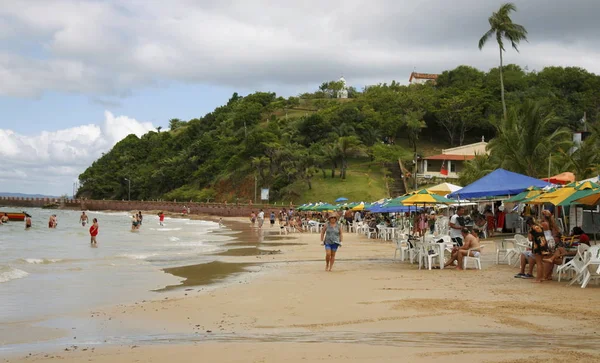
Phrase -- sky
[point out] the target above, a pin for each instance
(77, 76)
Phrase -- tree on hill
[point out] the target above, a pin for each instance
(503, 28)
(526, 138)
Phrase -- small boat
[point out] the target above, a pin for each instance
(15, 216)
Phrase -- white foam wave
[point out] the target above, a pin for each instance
(173, 239)
(165, 229)
(8, 273)
(138, 256)
(40, 261)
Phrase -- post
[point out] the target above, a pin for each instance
(416, 169)
(549, 166)
(128, 189)
(255, 189)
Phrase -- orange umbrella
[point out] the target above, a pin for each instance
(562, 178)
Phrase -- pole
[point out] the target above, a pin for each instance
(549, 167)
(416, 169)
(128, 189)
(255, 189)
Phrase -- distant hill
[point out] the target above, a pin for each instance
(21, 195)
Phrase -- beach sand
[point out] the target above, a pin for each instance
(369, 309)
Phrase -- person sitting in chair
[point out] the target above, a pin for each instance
(470, 241)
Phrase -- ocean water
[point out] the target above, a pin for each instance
(45, 271)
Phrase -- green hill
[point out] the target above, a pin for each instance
(294, 145)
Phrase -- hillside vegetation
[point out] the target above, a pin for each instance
(317, 147)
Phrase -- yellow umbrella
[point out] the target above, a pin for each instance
(444, 189)
(555, 197)
(361, 206)
(592, 199)
(423, 197)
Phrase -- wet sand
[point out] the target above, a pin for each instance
(369, 309)
(205, 274)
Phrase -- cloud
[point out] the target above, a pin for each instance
(110, 48)
(49, 162)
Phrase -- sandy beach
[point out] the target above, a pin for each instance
(369, 309)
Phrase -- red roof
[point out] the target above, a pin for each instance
(450, 157)
(423, 76)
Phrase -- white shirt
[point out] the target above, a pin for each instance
(261, 215)
(455, 233)
(357, 216)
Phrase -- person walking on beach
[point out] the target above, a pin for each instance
(93, 232)
(83, 219)
(161, 218)
(331, 237)
(261, 218)
(140, 217)
(253, 218)
(272, 219)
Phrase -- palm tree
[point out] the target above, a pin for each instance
(502, 26)
(348, 146)
(476, 169)
(526, 138)
(583, 160)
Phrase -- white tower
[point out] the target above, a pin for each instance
(343, 92)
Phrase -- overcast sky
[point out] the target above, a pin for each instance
(77, 76)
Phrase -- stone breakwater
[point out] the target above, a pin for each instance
(216, 209)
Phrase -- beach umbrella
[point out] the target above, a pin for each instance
(424, 198)
(527, 194)
(341, 199)
(563, 178)
(325, 207)
(360, 206)
(444, 189)
(565, 195)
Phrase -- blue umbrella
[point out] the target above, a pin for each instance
(342, 199)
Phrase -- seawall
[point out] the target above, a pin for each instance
(216, 209)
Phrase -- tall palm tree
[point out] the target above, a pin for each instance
(502, 26)
(348, 146)
(476, 169)
(526, 138)
(583, 160)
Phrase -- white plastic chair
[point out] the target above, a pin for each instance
(508, 248)
(433, 251)
(591, 270)
(403, 247)
(476, 259)
(576, 265)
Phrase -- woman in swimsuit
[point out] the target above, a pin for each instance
(331, 238)
(94, 232)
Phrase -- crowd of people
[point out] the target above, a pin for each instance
(548, 246)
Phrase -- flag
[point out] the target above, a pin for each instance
(443, 170)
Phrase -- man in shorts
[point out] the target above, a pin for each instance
(456, 225)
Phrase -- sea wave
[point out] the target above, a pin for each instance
(165, 229)
(173, 239)
(40, 261)
(8, 273)
(138, 256)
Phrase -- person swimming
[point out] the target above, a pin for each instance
(135, 223)
(52, 221)
(83, 219)
(28, 222)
